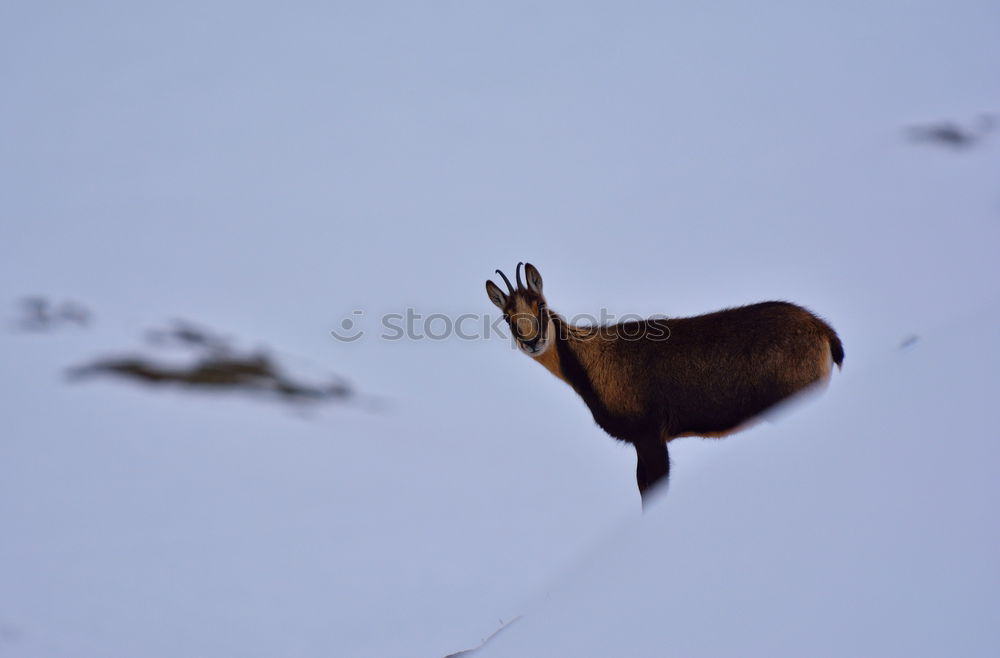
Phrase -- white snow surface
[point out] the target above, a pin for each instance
(266, 171)
(865, 528)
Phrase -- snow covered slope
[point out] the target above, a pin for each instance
(876, 533)
(268, 171)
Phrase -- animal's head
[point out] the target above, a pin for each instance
(524, 309)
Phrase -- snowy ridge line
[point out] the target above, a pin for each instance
(485, 641)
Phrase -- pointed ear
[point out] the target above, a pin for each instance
(533, 279)
(496, 295)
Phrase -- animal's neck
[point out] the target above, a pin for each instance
(550, 359)
(565, 358)
(561, 338)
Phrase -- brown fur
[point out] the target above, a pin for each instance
(651, 381)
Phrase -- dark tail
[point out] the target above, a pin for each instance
(836, 348)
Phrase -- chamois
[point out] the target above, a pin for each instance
(650, 381)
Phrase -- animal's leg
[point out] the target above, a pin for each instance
(640, 475)
(652, 464)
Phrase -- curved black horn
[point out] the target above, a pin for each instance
(510, 288)
(520, 285)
